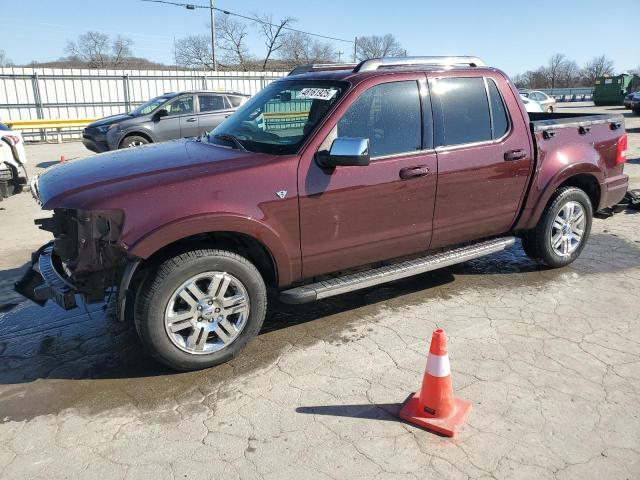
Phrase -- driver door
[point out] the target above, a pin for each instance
(356, 215)
(180, 120)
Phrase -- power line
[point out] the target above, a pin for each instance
(192, 6)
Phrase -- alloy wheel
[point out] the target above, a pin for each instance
(567, 230)
(207, 313)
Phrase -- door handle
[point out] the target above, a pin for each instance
(411, 172)
(191, 119)
(512, 155)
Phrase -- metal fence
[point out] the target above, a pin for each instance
(54, 93)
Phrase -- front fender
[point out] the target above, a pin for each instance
(286, 257)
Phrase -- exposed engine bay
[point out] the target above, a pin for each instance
(86, 249)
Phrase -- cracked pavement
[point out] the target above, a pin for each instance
(550, 360)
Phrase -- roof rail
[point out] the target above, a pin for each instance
(321, 66)
(376, 63)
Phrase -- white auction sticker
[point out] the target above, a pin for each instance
(318, 93)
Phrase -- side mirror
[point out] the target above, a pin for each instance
(161, 113)
(345, 152)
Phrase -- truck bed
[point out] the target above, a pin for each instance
(540, 122)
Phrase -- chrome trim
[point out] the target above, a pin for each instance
(374, 64)
(408, 268)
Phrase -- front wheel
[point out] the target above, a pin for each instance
(200, 308)
(133, 141)
(563, 229)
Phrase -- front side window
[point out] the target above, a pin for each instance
(465, 109)
(211, 103)
(280, 117)
(180, 106)
(388, 115)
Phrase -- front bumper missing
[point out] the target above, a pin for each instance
(43, 281)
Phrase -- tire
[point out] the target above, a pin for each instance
(204, 332)
(133, 141)
(537, 243)
(549, 109)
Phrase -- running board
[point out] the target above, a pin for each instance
(388, 273)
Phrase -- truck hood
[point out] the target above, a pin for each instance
(57, 185)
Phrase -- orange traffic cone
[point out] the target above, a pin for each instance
(62, 159)
(434, 407)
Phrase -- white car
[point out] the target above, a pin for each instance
(13, 159)
(547, 103)
(531, 106)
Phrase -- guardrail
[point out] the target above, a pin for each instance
(42, 125)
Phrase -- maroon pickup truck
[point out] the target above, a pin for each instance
(332, 179)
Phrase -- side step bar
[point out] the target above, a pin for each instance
(388, 273)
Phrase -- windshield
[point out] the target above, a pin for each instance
(150, 105)
(280, 117)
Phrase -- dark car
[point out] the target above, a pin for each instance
(167, 117)
(327, 181)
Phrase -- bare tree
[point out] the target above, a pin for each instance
(98, 51)
(554, 70)
(4, 61)
(194, 51)
(375, 46)
(232, 36)
(299, 48)
(597, 67)
(121, 51)
(274, 34)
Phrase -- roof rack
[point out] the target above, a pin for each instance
(321, 66)
(386, 62)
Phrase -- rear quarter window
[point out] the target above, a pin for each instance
(500, 116)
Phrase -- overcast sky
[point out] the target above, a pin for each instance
(506, 34)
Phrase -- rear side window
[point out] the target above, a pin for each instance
(389, 115)
(500, 124)
(234, 100)
(465, 110)
(210, 103)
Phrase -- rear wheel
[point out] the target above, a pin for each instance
(200, 308)
(563, 229)
(549, 109)
(133, 141)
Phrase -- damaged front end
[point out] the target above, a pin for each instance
(84, 258)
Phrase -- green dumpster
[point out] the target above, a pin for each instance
(611, 90)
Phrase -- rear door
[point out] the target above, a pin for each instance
(484, 157)
(355, 215)
(213, 110)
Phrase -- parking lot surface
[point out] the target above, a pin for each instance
(550, 360)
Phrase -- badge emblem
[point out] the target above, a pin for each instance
(281, 193)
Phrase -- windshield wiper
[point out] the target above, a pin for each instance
(228, 137)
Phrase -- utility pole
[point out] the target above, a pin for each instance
(213, 37)
(339, 53)
(355, 47)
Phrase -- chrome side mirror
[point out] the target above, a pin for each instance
(345, 152)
